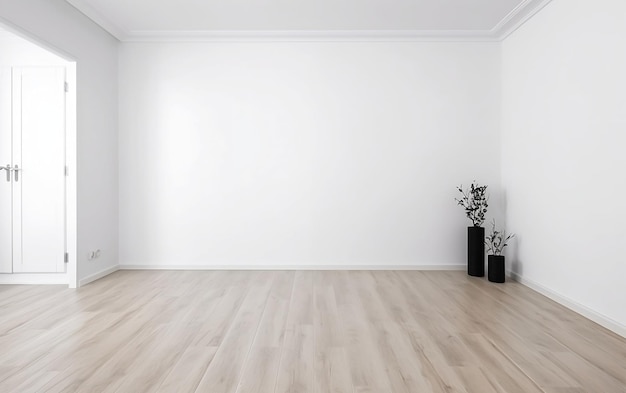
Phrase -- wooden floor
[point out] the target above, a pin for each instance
(300, 332)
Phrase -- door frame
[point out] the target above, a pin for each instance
(71, 211)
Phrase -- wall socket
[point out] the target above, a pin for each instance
(95, 254)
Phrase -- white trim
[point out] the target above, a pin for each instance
(98, 275)
(585, 311)
(312, 36)
(105, 23)
(292, 267)
(71, 179)
(520, 15)
(511, 22)
(33, 279)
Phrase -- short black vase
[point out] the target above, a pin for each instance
(476, 251)
(495, 266)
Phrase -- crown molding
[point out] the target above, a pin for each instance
(511, 22)
(517, 17)
(91, 13)
(310, 36)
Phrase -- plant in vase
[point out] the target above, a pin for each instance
(474, 201)
(495, 242)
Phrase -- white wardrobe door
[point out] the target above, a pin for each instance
(6, 261)
(39, 187)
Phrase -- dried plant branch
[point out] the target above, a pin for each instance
(474, 201)
(496, 240)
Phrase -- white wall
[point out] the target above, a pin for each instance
(16, 51)
(265, 154)
(95, 51)
(564, 144)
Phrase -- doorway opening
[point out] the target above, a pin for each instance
(38, 204)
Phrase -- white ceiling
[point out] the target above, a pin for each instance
(170, 19)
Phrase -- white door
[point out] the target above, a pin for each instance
(38, 175)
(6, 253)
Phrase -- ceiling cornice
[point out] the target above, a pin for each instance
(308, 36)
(517, 17)
(511, 22)
(90, 12)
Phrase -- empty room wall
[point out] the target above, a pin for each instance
(16, 51)
(61, 26)
(564, 122)
(303, 153)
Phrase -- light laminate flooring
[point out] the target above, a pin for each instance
(300, 332)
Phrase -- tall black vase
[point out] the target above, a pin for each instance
(476, 251)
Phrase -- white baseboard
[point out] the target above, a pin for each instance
(34, 279)
(98, 275)
(585, 311)
(292, 267)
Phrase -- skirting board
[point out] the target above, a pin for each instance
(292, 267)
(98, 275)
(586, 312)
(34, 279)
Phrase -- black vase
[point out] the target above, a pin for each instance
(476, 251)
(496, 268)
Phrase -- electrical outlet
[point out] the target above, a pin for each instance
(95, 254)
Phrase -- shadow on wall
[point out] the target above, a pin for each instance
(512, 250)
(517, 266)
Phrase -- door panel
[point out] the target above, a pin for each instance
(39, 187)
(6, 263)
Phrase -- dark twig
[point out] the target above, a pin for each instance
(474, 201)
(496, 241)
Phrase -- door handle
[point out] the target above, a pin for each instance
(8, 169)
(16, 173)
